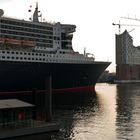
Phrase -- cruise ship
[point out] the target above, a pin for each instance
(30, 51)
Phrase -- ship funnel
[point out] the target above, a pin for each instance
(1, 12)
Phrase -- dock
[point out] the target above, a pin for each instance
(45, 128)
(19, 118)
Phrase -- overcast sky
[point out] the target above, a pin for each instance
(93, 19)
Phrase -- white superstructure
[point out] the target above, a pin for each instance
(34, 41)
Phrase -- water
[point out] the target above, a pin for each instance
(112, 113)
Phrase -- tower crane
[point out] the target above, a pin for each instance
(131, 18)
(119, 25)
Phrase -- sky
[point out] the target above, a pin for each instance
(93, 19)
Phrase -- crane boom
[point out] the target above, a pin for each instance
(119, 25)
(131, 18)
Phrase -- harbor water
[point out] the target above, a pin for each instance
(111, 113)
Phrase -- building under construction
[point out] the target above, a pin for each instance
(127, 58)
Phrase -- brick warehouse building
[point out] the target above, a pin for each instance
(127, 58)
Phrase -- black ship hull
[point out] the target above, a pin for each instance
(21, 76)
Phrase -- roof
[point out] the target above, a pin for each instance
(13, 103)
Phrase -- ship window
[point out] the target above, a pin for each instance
(21, 58)
(3, 56)
(25, 58)
(8, 52)
(43, 59)
(32, 58)
(16, 57)
(36, 54)
(16, 52)
(28, 53)
(13, 52)
(8, 57)
(3, 51)
(25, 53)
(29, 58)
(20, 52)
(13, 57)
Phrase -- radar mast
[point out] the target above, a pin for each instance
(35, 14)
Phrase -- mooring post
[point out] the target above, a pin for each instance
(34, 101)
(48, 98)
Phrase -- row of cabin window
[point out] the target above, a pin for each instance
(21, 58)
(18, 29)
(23, 24)
(8, 52)
(37, 54)
(25, 58)
(21, 33)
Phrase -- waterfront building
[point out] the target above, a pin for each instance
(127, 58)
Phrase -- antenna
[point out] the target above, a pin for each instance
(1, 12)
(35, 15)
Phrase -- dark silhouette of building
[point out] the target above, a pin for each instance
(127, 58)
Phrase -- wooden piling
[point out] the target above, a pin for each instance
(34, 102)
(48, 98)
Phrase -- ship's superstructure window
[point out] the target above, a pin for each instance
(19, 33)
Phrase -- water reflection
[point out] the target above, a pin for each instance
(91, 118)
(111, 113)
(128, 111)
(106, 116)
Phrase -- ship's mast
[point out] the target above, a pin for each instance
(35, 15)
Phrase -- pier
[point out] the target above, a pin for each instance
(20, 118)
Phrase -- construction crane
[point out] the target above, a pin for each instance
(119, 25)
(131, 18)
